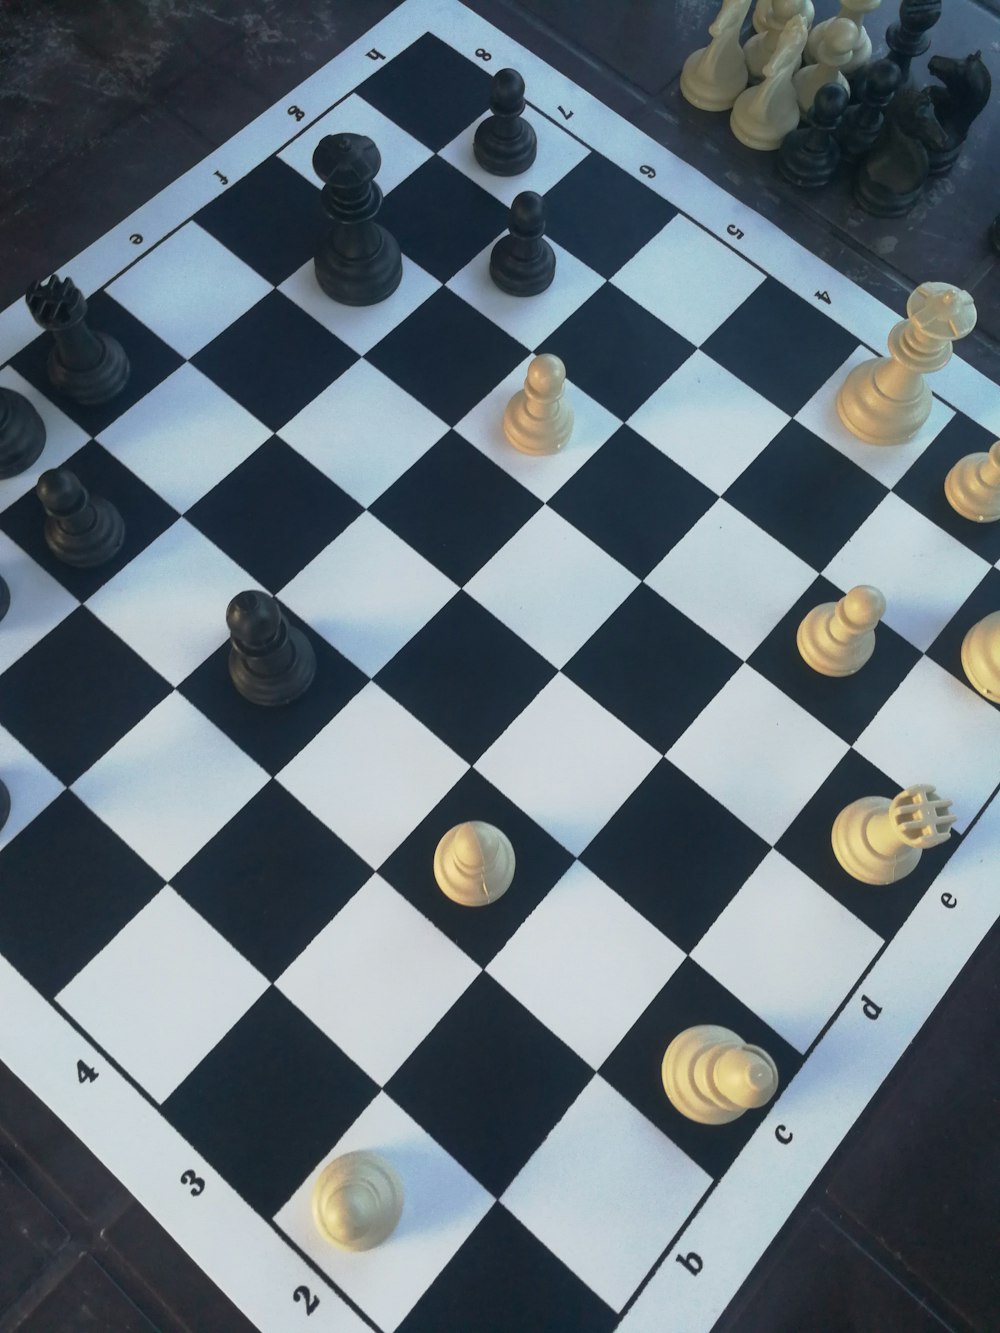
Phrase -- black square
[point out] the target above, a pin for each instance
(431, 91)
(274, 513)
(489, 1083)
(447, 355)
(146, 516)
(441, 218)
(272, 219)
(616, 351)
(922, 485)
(76, 693)
(274, 360)
(271, 879)
(603, 215)
(268, 1101)
(69, 886)
(780, 345)
(465, 676)
(633, 501)
(712, 855)
(806, 494)
(946, 649)
(652, 667)
(455, 507)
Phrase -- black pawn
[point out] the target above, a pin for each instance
(86, 366)
(809, 157)
(80, 529)
(4, 804)
(523, 263)
(505, 143)
(270, 663)
(907, 37)
(22, 433)
(359, 262)
(863, 122)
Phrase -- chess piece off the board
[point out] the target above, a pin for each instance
(855, 10)
(505, 143)
(832, 54)
(763, 11)
(85, 365)
(712, 1076)
(965, 94)
(763, 115)
(863, 121)
(809, 157)
(270, 662)
(892, 176)
(886, 400)
(715, 75)
(906, 36)
(972, 486)
(523, 263)
(838, 638)
(762, 46)
(22, 433)
(538, 419)
(879, 841)
(358, 262)
(81, 529)
(981, 657)
(357, 1201)
(474, 864)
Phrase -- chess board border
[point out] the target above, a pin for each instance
(246, 1254)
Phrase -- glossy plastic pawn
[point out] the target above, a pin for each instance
(863, 121)
(270, 663)
(523, 263)
(80, 529)
(505, 143)
(538, 419)
(809, 157)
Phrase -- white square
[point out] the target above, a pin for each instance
(169, 602)
(37, 602)
(605, 1192)
(936, 729)
(586, 963)
(189, 289)
(372, 774)
(558, 153)
(544, 474)
(688, 279)
(528, 319)
(700, 576)
(708, 421)
(184, 437)
(360, 327)
(363, 432)
(442, 1206)
(568, 763)
(163, 993)
(385, 593)
(757, 752)
(552, 585)
(378, 978)
(787, 949)
(62, 437)
(170, 784)
(924, 574)
(401, 154)
(30, 786)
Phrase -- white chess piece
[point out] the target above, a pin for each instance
(972, 487)
(357, 1201)
(855, 10)
(833, 52)
(761, 47)
(538, 419)
(885, 400)
(762, 14)
(879, 841)
(763, 115)
(981, 657)
(715, 75)
(838, 638)
(474, 864)
(711, 1075)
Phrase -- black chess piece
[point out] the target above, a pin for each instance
(22, 433)
(4, 804)
(994, 233)
(907, 37)
(358, 262)
(80, 529)
(86, 366)
(270, 662)
(891, 178)
(523, 263)
(966, 91)
(863, 120)
(505, 143)
(808, 157)
(4, 598)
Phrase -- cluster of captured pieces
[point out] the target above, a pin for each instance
(815, 95)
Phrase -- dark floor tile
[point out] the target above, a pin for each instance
(29, 1236)
(86, 1301)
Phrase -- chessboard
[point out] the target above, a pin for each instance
(224, 959)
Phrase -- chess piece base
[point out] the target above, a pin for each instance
(4, 599)
(966, 493)
(99, 543)
(505, 156)
(97, 384)
(467, 885)
(822, 652)
(677, 1072)
(362, 281)
(22, 433)
(4, 804)
(980, 664)
(536, 435)
(875, 418)
(520, 277)
(855, 852)
(357, 1201)
(273, 690)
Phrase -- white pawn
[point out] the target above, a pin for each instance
(879, 841)
(855, 10)
(762, 14)
(838, 638)
(761, 47)
(763, 115)
(833, 51)
(712, 1076)
(357, 1201)
(715, 75)
(538, 419)
(474, 864)
(972, 487)
(981, 657)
